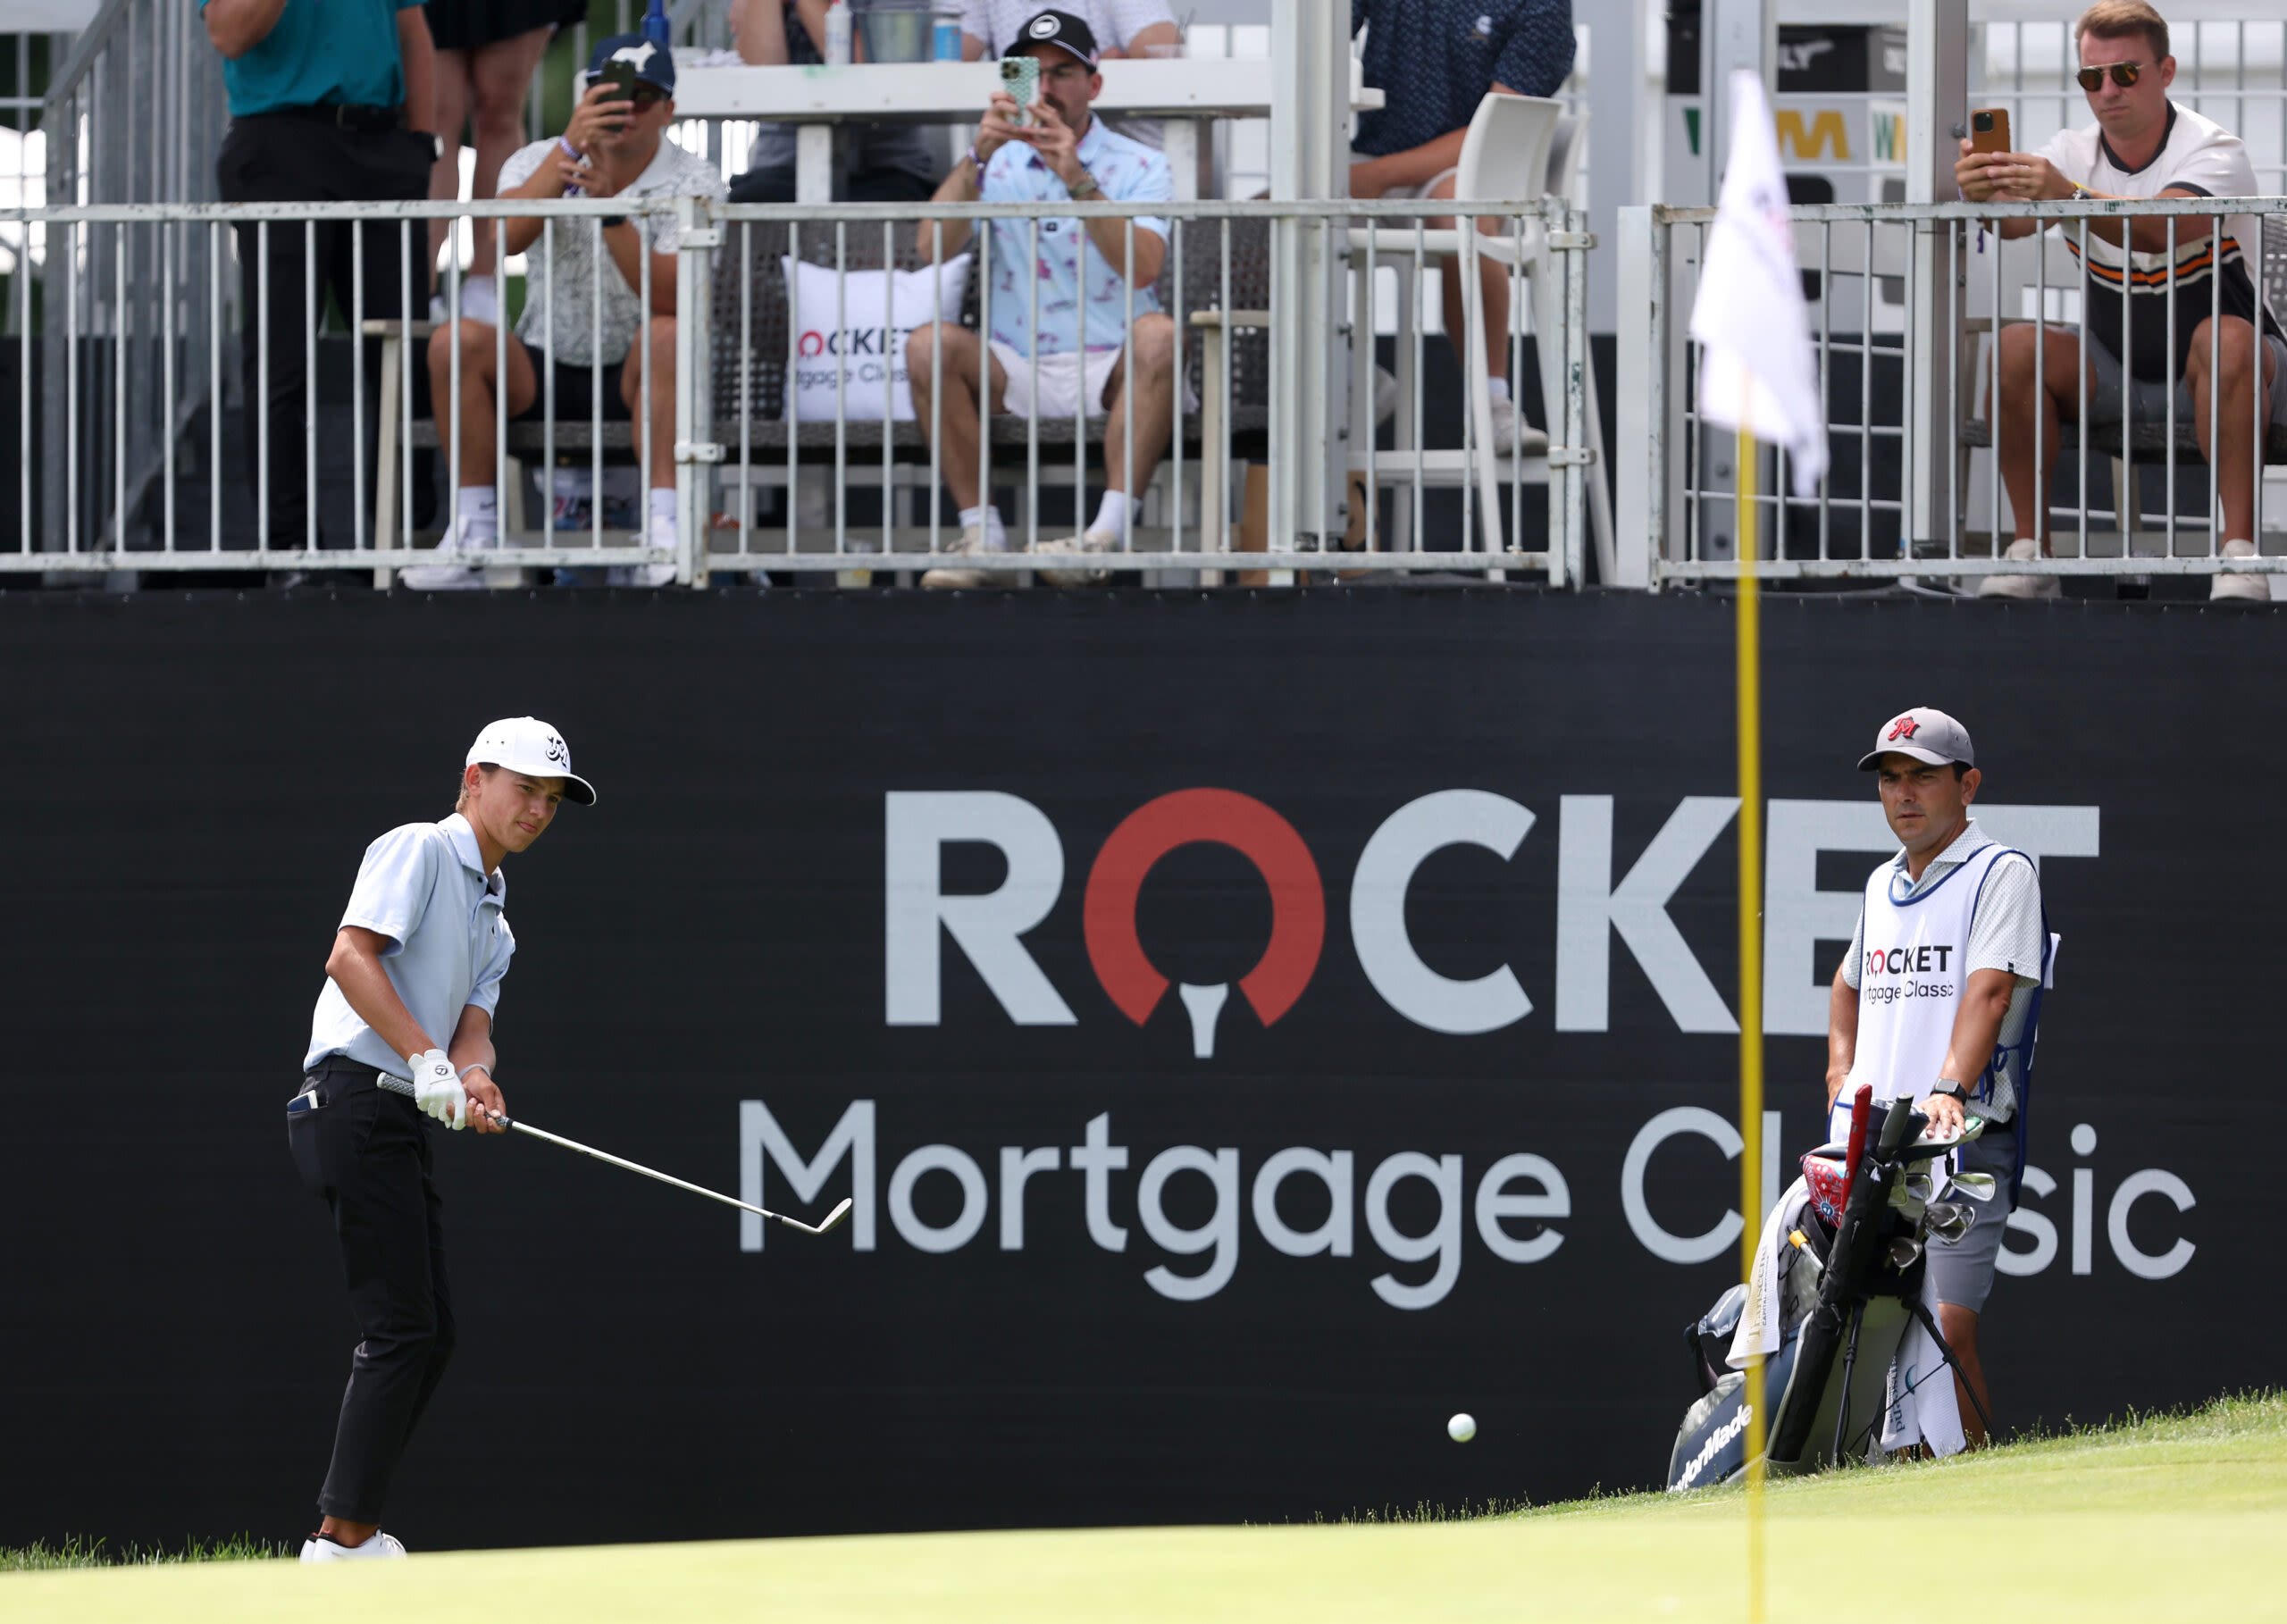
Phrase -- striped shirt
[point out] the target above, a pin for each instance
(2006, 933)
(2196, 156)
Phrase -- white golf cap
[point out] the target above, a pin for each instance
(1924, 733)
(528, 745)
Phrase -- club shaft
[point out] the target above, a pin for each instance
(395, 1085)
(633, 1167)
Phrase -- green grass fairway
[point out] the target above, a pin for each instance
(2178, 1519)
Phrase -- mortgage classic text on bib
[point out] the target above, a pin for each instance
(1910, 981)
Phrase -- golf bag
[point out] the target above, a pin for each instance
(1849, 1285)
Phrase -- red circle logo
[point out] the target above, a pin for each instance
(1227, 818)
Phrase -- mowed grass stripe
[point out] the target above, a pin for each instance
(2179, 1519)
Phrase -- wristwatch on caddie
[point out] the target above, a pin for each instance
(1087, 186)
(1950, 1089)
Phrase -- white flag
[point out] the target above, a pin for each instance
(1758, 373)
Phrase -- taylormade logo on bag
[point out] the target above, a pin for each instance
(1708, 1451)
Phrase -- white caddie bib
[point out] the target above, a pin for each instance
(1910, 985)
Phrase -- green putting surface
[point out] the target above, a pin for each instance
(2180, 1519)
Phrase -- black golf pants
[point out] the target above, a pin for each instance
(366, 1150)
(286, 158)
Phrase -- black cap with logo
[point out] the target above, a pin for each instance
(1060, 28)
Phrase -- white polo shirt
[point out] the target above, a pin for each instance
(422, 886)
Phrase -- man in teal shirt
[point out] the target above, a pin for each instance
(330, 102)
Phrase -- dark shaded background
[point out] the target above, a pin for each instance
(194, 778)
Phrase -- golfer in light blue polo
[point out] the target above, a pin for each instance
(411, 988)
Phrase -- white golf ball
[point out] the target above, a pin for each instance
(1461, 1428)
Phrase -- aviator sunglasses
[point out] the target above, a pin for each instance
(2124, 74)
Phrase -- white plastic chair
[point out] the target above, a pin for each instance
(1517, 147)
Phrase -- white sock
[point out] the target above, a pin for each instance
(1498, 388)
(1112, 514)
(480, 511)
(996, 537)
(664, 506)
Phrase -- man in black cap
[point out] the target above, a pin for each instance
(1083, 358)
(330, 102)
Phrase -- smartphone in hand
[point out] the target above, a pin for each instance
(620, 77)
(1020, 77)
(1988, 130)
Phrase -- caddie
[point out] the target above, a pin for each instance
(404, 1029)
(1940, 996)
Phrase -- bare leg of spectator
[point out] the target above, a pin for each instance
(1493, 293)
(484, 88)
(450, 85)
(661, 403)
(956, 419)
(479, 498)
(654, 403)
(948, 405)
(1153, 401)
(2060, 401)
(2231, 451)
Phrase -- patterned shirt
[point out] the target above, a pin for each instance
(1437, 58)
(2006, 933)
(566, 281)
(1126, 171)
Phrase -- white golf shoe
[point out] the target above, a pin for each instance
(1094, 541)
(659, 530)
(947, 578)
(381, 1547)
(455, 564)
(2254, 589)
(2024, 549)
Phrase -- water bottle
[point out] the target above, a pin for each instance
(656, 28)
(945, 37)
(837, 33)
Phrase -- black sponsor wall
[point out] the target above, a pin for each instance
(194, 779)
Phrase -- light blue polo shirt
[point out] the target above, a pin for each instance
(1126, 171)
(320, 52)
(423, 886)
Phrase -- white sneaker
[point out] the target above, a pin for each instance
(1530, 441)
(381, 1547)
(945, 579)
(2023, 549)
(1094, 541)
(1384, 395)
(2253, 589)
(659, 530)
(457, 565)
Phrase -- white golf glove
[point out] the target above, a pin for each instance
(437, 1088)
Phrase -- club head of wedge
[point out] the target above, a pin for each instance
(1949, 1221)
(1977, 1186)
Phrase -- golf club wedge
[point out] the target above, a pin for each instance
(842, 1209)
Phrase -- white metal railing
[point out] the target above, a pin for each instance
(167, 421)
(1915, 485)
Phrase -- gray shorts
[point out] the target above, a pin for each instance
(1962, 1272)
(2150, 398)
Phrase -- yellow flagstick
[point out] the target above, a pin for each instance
(1750, 734)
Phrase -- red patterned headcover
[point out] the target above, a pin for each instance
(1829, 1187)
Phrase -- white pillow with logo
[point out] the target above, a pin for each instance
(877, 310)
